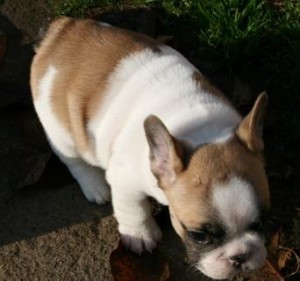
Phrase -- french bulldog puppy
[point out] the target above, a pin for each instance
(114, 100)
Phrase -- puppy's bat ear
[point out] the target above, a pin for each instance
(164, 157)
(250, 129)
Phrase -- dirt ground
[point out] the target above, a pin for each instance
(55, 234)
(51, 232)
(48, 230)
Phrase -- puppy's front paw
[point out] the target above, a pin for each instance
(141, 237)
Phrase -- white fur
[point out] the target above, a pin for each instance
(90, 179)
(236, 206)
(144, 83)
(235, 203)
(157, 83)
(216, 264)
(59, 136)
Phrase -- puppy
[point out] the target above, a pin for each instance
(119, 101)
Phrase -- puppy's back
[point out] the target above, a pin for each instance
(85, 54)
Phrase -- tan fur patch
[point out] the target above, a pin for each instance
(250, 130)
(85, 53)
(214, 163)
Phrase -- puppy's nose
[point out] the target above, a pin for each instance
(238, 260)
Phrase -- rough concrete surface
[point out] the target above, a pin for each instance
(55, 234)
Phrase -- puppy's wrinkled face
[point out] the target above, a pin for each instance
(217, 196)
(216, 207)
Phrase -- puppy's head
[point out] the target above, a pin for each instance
(216, 195)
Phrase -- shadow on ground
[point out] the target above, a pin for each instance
(53, 203)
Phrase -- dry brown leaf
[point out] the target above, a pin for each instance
(267, 273)
(290, 261)
(274, 241)
(271, 272)
(274, 244)
(127, 266)
(283, 258)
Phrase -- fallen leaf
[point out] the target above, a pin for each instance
(267, 273)
(288, 262)
(271, 272)
(127, 266)
(283, 258)
(274, 244)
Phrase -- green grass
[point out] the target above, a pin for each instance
(232, 30)
(78, 8)
(228, 31)
(250, 38)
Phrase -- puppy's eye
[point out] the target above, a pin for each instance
(200, 237)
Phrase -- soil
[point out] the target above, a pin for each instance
(48, 230)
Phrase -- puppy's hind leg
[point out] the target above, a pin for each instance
(91, 179)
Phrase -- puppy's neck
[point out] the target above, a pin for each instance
(212, 124)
